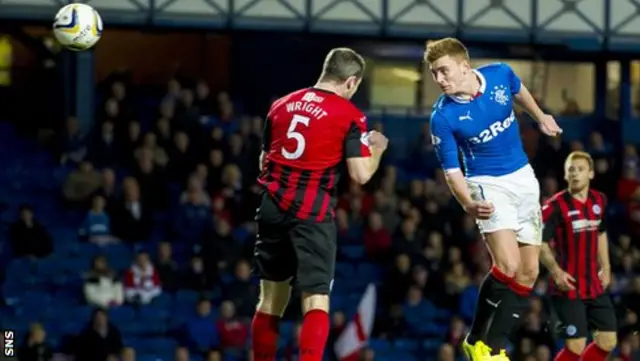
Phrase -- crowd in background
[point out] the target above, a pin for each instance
(192, 162)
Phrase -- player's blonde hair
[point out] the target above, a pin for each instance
(578, 155)
(447, 46)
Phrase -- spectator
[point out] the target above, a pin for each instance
(399, 280)
(132, 218)
(97, 224)
(213, 355)
(103, 151)
(200, 331)
(417, 311)
(35, 346)
(456, 279)
(81, 184)
(142, 281)
(180, 158)
(132, 140)
(167, 267)
(158, 154)
(446, 353)
(72, 147)
(195, 193)
(102, 287)
(182, 354)
(242, 291)
(28, 237)
(128, 354)
(214, 171)
(99, 340)
(109, 188)
(163, 133)
(457, 331)
(233, 332)
(377, 240)
(196, 277)
(220, 248)
(152, 181)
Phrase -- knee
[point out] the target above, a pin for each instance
(606, 341)
(274, 297)
(576, 345)
(312, 302)
(527, 273)
(508, 265)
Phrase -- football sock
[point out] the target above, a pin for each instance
(566, 355)
(313, 335)
(507, 316)
(493, 290)
(264, 336)
(594, 353)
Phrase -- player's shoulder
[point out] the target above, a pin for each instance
(599, 196)
(442, 108)
(497, 69)
(554, 199)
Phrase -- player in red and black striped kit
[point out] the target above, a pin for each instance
(575, 228)
(307, 135)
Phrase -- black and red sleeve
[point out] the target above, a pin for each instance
(551, 219)
(356, 141)
(603, 215)
(266, 135)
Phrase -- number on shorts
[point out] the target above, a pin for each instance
(301, 143)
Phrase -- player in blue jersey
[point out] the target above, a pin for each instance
(474, 116)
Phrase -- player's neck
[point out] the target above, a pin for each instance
(472, 86)
(581, 194)
(326, 86)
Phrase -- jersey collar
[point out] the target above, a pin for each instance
(483, 87)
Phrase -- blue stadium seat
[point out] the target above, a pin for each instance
(122, 314)
(406, 345)
(152, 313)
(352, 252)
(379, 345)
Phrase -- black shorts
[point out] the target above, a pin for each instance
(287, 247)
(578, 317)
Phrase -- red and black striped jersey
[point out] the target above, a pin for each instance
(307, 134)
(572, 227)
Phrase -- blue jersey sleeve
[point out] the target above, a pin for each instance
(514, 81)
(444, 142)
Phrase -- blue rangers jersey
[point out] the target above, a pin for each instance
(483, 128)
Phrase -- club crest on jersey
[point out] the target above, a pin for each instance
(499, 94)
(596, 209)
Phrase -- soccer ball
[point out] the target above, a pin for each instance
(77, 27)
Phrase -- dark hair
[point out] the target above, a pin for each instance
(342, 63)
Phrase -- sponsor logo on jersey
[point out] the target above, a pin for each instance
(312, 97)
(494, 130)
(585, 225)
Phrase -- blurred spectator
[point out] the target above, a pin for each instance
(81, 184)
(72, 147)
(99, 340)
(150, 145)
(181, 159)
(103, 150)
(102, 287)
(220, 248)
(195, 277)
(131, 217)
(457, 331)
(167, 267)
(456, 279)
(182, 354)
(132, 140)
(233, 332)
(446, 353)
(152, 181)
(35, 346)
(376, 239)
(28, 237)
(163, 133)
(142, 281)
(398, 280)
(242, 291)
(200, 331)
(213, 355)
(97, 224)
(109, 188)
(195, 193)
(417, 311)
(128, 354)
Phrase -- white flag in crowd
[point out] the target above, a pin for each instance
(357, 332)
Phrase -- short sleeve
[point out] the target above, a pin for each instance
(603, 218)
(514, 81)
(357, 139)
(444, 143)
(266, 135)
(550, 219)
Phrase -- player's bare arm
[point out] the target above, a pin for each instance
(603, 260)
(548, 124)
(458, 186)
(563, 279)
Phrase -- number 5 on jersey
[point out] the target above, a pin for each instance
(301, 143)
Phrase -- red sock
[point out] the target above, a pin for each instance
(566, 355)
(594, 353)
(264, 336)
(313, 335)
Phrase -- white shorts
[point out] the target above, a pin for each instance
(516, 198)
